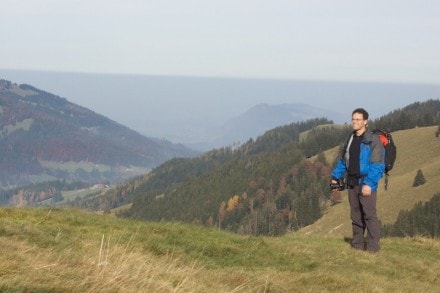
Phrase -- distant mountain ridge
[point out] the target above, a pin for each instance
(190, 109)
(263, 117)
(39, 130)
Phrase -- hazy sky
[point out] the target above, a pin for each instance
(376, 40)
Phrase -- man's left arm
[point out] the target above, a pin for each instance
(376, 167)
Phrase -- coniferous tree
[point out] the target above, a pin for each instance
(419, 179)
(422, 220)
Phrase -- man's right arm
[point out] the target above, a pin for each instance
(338, 171)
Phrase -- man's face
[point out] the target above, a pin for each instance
(358, 122)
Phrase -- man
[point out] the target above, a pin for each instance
(363, 160)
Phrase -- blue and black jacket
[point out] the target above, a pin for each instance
(371, 160)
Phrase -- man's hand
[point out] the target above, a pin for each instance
(333, 184)
(366, 190)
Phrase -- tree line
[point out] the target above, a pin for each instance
(35, 194)
(266, 186)
(422, 220)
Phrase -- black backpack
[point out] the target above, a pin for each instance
(390, 151)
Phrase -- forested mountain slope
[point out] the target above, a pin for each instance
(40, 133)
(221, 187)
(266, 186)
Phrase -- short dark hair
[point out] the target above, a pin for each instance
(361, 111)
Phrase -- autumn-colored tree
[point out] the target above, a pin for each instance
(232, 203)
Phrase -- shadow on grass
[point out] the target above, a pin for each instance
(349, 241)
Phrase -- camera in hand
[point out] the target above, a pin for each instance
(339, 185)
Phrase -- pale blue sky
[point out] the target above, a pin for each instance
(387, 40)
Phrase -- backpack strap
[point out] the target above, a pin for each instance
(386, 181)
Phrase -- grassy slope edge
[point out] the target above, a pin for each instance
(66, 250)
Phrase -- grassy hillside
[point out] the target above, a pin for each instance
(417, 148)
(56, 250)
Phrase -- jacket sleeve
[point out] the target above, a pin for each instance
(339, 170)
(376, 164)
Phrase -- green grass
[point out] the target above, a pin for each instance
(303, 135)
(73, 166)
(24, 125)
(21, 92)
(71, 195)
(65, 250)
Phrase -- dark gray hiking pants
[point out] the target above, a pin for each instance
(364, 218)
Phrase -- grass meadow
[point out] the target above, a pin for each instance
(66, 250)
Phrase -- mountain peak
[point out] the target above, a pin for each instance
(263, 117)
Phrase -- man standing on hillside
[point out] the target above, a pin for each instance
(363, 160)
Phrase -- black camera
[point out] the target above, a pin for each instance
(339, 185)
